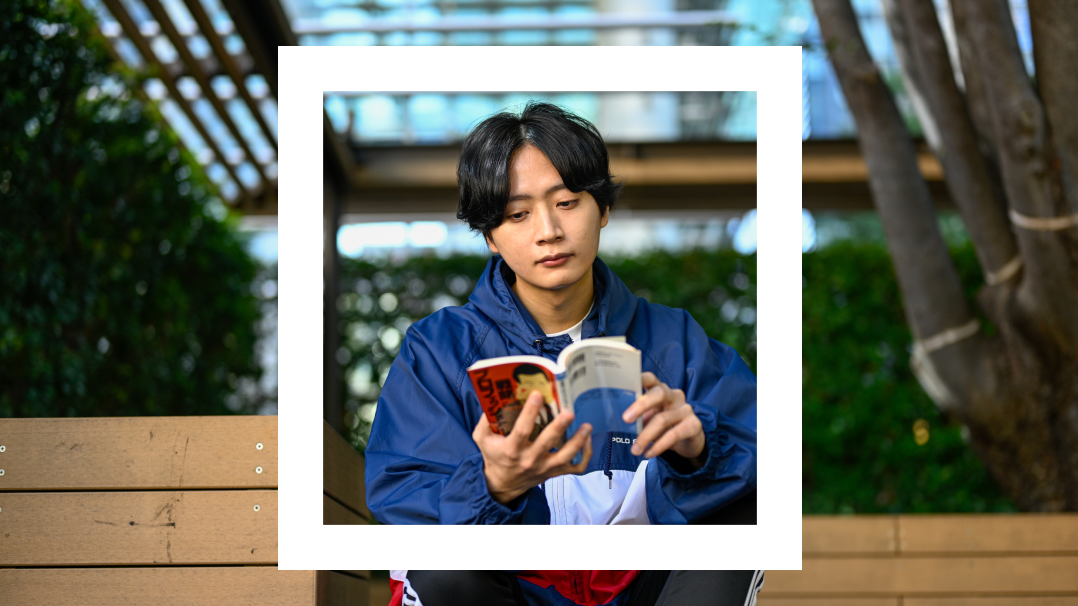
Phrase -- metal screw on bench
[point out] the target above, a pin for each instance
(258, 446)
(1, 472)
(257, 470)
(3, 448)
(257, 508)
(1, 509)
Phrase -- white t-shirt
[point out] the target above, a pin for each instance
(575, 330)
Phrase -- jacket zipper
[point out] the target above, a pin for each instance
(609, 451)
(538, 347)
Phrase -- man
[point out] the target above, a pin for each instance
(538, 187)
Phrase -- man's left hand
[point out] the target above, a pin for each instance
(669, 423)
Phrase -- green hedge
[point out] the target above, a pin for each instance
(860, 400)
(124, 292)
(380, 300)
(861, 403)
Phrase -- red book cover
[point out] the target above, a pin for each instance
(503, 389)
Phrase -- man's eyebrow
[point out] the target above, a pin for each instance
(550, 190)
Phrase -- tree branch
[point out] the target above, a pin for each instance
(931, 291)
(976, 95)
(1048, 294)
(965, 169)
(1054, 25)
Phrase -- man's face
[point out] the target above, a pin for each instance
(537, 382)
(550, 235)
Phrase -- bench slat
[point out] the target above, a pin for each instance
(335, 513)
(764, 600)
(340, 589)
(138, 452)
(205, 586)
(139, 528)
(821, 577)
(860, 535)
(1027, 533)
(1036, 601)
(342, 471)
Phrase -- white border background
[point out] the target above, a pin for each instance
(305, 72)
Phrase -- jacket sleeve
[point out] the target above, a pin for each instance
(422, 465)
(722, 391)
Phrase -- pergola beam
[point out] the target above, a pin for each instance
(263, 26)
(133, 34)
(188, 59)
(683, 176)
(598, 21)
(230, 67)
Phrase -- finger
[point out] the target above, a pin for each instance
(649, 380)
(585, 459)
(553, 433)
(567, 467)
(581, 440)
(522, 427)
(682, 431)
(653, 398)
(482, 429)
(659, 425)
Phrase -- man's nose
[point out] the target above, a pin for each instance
(548, 228)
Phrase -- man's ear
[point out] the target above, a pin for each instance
(605, 218)
(490, 244)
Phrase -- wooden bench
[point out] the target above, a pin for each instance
(149, 510)
(932, 560)
(344, 499)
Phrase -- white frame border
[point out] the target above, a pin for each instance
(305, 72)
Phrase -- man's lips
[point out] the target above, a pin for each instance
(554, 260)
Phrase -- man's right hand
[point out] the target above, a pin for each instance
(513, 464)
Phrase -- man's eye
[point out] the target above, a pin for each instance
(517, 216)
(567, 203)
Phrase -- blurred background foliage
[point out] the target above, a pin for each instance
(126, 288)
(379, 301)
(873, 441)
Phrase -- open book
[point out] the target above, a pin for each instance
(597, 379)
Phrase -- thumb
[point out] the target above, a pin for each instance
(482, 429)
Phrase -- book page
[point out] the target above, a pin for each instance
(600, 382)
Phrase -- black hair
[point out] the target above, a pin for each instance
(528, 369)
(572, 144)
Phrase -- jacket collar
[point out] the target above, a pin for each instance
(494, 297)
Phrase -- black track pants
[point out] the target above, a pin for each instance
(650, 588)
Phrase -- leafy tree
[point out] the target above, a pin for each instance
(1009, 149)
(125, 290)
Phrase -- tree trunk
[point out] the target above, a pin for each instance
(1013, 183)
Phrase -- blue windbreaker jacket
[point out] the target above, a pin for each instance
(422, 466)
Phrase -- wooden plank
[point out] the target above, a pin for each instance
(342, 471)
(204, 586)
(335, 513)
(156, 527)
(380, 593)
(336, 589)
(821, 577)
(138, 452)
(764, 600)
(1003, 601)
(828, 535)
(1003, 533)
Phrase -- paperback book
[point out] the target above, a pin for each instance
(596, 379)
